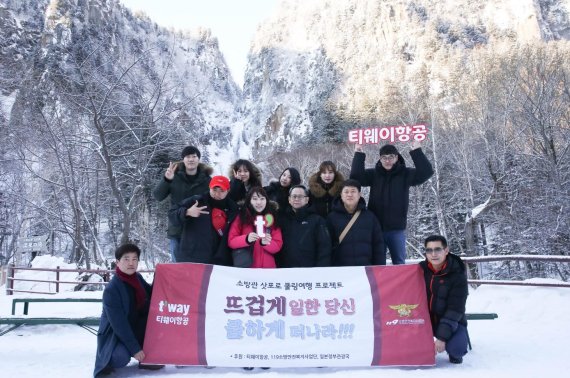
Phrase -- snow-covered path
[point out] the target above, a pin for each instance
(529, 339)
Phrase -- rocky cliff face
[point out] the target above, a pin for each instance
(316, 68)
(95, 101)
(21, 26)
(320, 67)
(43, 41)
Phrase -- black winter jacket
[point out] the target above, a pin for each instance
(278, 194)
(180, 187)
(120, 321)
(447, 294)
(238, 191)
(363, 245)
(390, 190)
(306, 240)
(199, 241)
(322, 195)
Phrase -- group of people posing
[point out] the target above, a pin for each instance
(237, 221)
(326, 223)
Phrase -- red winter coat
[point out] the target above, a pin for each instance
(262, 254)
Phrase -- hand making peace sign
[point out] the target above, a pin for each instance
(170, 171)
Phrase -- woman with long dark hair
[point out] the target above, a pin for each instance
(244, 176)
(256, 228)
(324, 186)
(278, 191)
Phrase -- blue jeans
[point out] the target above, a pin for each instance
(457, 345)
(174, 245)
(395, 241)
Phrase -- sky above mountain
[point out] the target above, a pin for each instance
(233, 22)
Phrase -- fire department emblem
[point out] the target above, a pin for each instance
(404, 310)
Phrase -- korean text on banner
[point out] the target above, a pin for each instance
(389, 134)
(350, 316)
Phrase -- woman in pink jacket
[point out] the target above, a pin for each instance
(255, 226)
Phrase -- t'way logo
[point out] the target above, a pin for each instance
(173, 307)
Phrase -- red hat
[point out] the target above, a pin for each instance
(220, 181)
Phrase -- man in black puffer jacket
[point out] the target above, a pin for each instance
(306, 240)
(205, 220)
(362, 245)
(390, 181)
(446, 283)
(180, 181)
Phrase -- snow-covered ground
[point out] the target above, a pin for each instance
(529, 339)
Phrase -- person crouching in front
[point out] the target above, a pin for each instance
(446, 284)
(126, 302)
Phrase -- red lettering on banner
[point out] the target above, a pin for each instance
(388, 133)
(334, 305)
(419, 132)
(370, 136)
(376, 315)
(355, 136)
(296, 307)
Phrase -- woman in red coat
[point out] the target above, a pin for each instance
(256, 227)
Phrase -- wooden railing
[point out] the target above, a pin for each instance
(11, 278)
(541, 258)
(106, 274)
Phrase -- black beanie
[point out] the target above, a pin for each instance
(190, 150)
(388, 149)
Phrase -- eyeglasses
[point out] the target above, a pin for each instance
(437, 250)
(297, 197)
(388, 157)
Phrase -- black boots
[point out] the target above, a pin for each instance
(455, 360)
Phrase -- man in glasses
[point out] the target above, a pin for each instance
(446, 283)
(390, 182)
(306, 240)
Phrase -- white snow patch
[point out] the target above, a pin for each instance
(7, 102)
(528, 339)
